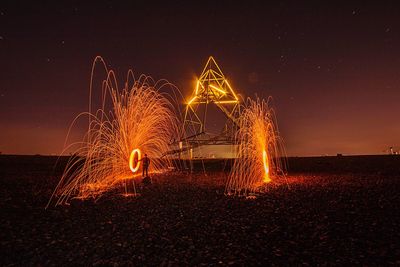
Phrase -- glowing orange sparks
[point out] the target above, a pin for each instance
(132, 158)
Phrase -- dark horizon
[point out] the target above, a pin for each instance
(333, 70)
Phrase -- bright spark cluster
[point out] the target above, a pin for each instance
(141, 120)
(260, 155)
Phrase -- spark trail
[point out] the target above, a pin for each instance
(261, 155)
(141, 120)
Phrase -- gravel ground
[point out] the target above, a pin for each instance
(320, 219)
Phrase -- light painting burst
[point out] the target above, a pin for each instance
(261, 156)
(141, 120)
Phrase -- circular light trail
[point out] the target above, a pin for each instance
(134, 168)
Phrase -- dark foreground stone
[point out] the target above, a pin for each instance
(320, 219)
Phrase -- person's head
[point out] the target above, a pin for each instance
(145, 155)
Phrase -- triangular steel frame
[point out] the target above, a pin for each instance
(212, 87)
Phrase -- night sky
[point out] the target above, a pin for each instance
(333, 71)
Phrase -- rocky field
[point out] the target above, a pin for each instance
(319, 218)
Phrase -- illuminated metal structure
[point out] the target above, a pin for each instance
(212, 88)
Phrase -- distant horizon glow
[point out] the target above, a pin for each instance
(332, 70)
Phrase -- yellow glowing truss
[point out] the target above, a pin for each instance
(212, 86)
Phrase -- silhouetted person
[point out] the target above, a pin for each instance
(146, 164)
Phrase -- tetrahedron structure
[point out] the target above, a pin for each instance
(212, 88)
